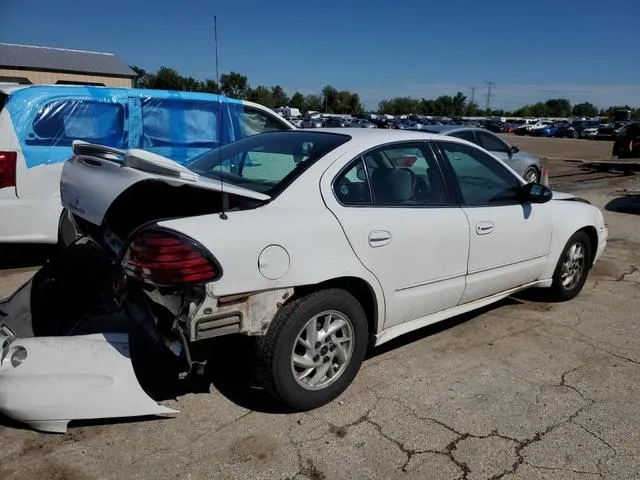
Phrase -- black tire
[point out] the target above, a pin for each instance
(576, 134)
(274, 350)
(531, 171)
(560, 292)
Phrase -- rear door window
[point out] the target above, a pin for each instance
(253, 121)
(492, 143)
(467, 135)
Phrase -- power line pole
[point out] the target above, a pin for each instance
(490, 84)
(473, 94)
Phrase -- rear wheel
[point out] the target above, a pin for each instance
(572, 268)
(313, 349)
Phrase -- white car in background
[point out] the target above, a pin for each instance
(329, 241)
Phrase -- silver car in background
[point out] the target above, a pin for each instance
(526, 164)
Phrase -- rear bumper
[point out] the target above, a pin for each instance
(29, 220)
(47, 381)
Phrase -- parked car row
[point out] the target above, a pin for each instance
(586, 129)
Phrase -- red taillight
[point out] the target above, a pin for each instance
(8, 169)
(163, 257)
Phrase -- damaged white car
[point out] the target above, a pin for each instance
(317, 243)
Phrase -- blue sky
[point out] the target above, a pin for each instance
(585, 51)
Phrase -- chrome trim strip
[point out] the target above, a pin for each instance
(429, 282)
(508, 264)
(452, 277)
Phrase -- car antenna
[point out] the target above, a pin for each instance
(221, 98)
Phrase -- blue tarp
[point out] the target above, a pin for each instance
(179, 125)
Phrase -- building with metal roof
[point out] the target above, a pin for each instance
(28, 64)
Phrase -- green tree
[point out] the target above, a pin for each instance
(355, 105)
(168, 79)
(279, 96)
(297, 101)
(330, 99)
(558, 107)
(539, 110)
(190, 84)
(400, 106)
(261, 95)
(584, 109)
(458, 104)
(234, 85)
(313, 103)
(211, 86)
(472, 109)
(142, 79)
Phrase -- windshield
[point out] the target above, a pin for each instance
(268, 162)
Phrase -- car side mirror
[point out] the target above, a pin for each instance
(536, 193)
(513, 150)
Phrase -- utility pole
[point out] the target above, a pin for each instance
(490, 84)
(473, 94)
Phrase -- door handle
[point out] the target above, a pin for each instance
(483, 228)
(378, 238)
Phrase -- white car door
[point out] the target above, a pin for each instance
(509, 239)
(403, 226)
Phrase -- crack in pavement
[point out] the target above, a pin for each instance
(598, 342)
(306, 466)
(597, 437)
(621, 357)
(632, 269)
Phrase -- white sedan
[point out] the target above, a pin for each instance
(322, 242)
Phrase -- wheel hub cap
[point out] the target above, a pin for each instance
(322, 350)
(573, 266)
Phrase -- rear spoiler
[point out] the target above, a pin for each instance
(136, 158)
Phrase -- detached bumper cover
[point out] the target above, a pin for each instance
(46, 382)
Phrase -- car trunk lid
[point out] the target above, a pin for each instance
(96, 175)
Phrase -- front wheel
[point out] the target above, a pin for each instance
(572, 268)
(313, 349)
(531, 175)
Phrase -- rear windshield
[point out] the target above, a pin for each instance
(268, 162)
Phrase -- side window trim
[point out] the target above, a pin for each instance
(351, 164)
(451, 198)
(494, 137)
(273, 117)
(451, 180)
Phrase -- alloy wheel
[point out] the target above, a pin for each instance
(322, 350)
(573, 266)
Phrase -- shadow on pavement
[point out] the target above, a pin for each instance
(625, 204)
(231, 363)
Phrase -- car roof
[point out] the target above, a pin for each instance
(446, 129)
(375, 135)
